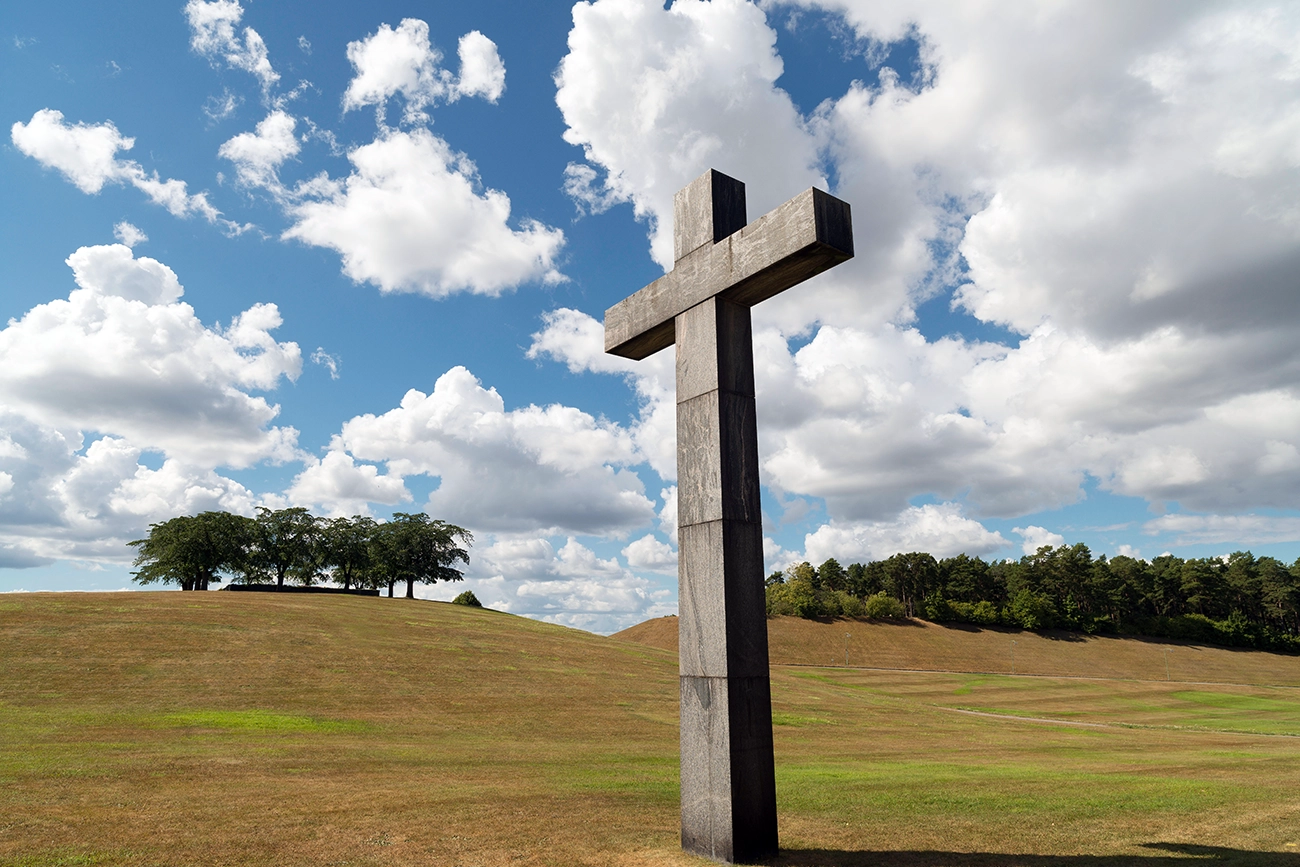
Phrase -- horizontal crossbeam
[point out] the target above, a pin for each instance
(807, 235)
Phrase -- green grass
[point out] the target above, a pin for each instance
(259, 720)
(160, 729)
(782, 718)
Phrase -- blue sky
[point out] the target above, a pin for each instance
(1072, 316)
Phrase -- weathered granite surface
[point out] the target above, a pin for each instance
(723, 267)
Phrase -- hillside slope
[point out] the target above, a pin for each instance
(256, 729)
(225, 728)
(917, 645)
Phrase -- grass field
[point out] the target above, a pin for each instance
(219, 728)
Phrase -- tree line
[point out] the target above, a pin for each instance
(293, 545)
(1238, 601)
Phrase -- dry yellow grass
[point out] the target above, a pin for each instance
(921, 646)
(168, 728)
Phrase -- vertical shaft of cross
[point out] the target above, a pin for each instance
(723, 266)
(727, 774)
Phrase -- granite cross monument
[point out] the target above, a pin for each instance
(722, 268)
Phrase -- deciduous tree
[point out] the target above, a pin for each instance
(415, 547)
(192, 551)
(285, 543)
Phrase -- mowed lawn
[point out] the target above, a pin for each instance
(222, 728)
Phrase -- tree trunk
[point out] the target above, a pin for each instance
(390, 589)
(279, 579)
(410, 588)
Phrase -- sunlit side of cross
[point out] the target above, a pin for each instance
(723, 267)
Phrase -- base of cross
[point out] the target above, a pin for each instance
(723, 267)
(728, 780)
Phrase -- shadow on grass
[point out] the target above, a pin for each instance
(1161, 855)
(884, 621)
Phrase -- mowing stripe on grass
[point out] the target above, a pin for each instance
(259, 720)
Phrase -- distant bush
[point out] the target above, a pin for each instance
(1030, 610)
(850, 605)
(467, 598)
(882, 606)
(981, 613)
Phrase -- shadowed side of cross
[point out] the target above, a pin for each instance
(723, 267)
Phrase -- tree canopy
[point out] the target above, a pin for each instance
(1239, 600)
(286, 542)
(415, 547)
(192, 551)
(292, 545)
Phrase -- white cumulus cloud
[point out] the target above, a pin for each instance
(344, 487)
(650, 554)
(258, 155)
(129, 234)
(655, 96)
(86, 154)
(564, 583)
(213, 34)
(1038, 537)
(411, 218)
(403, 61)
(552, 468)
(123, 355)
(941, 530)
(121, 367)
(1116, 185)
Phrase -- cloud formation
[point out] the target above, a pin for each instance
(413, 215)
(654, 96)
(86, 154)
(411, 218)
(566, 583)
(1115, 186)
(258, 155)
(121, 367)
(402, 61)
(552, 469)
(123, 355)
(213, 35)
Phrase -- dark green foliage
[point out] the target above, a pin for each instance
(796, 594)
(866, 580)
(415, 547)
(882, 606)
(831, 576)
(467, 598)
(1239, 600)
(286, 543)
(911, 577)
(966, 579)
(1030, 610)
(346, 550)
(357, 552)
(192, 550)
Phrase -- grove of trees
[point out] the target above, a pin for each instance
(295, 546)
(1239, 600)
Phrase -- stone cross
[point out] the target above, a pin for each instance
(722, 268)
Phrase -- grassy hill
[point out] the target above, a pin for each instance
(922, 646)
(220, 728)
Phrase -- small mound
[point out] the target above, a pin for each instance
(660, 632)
